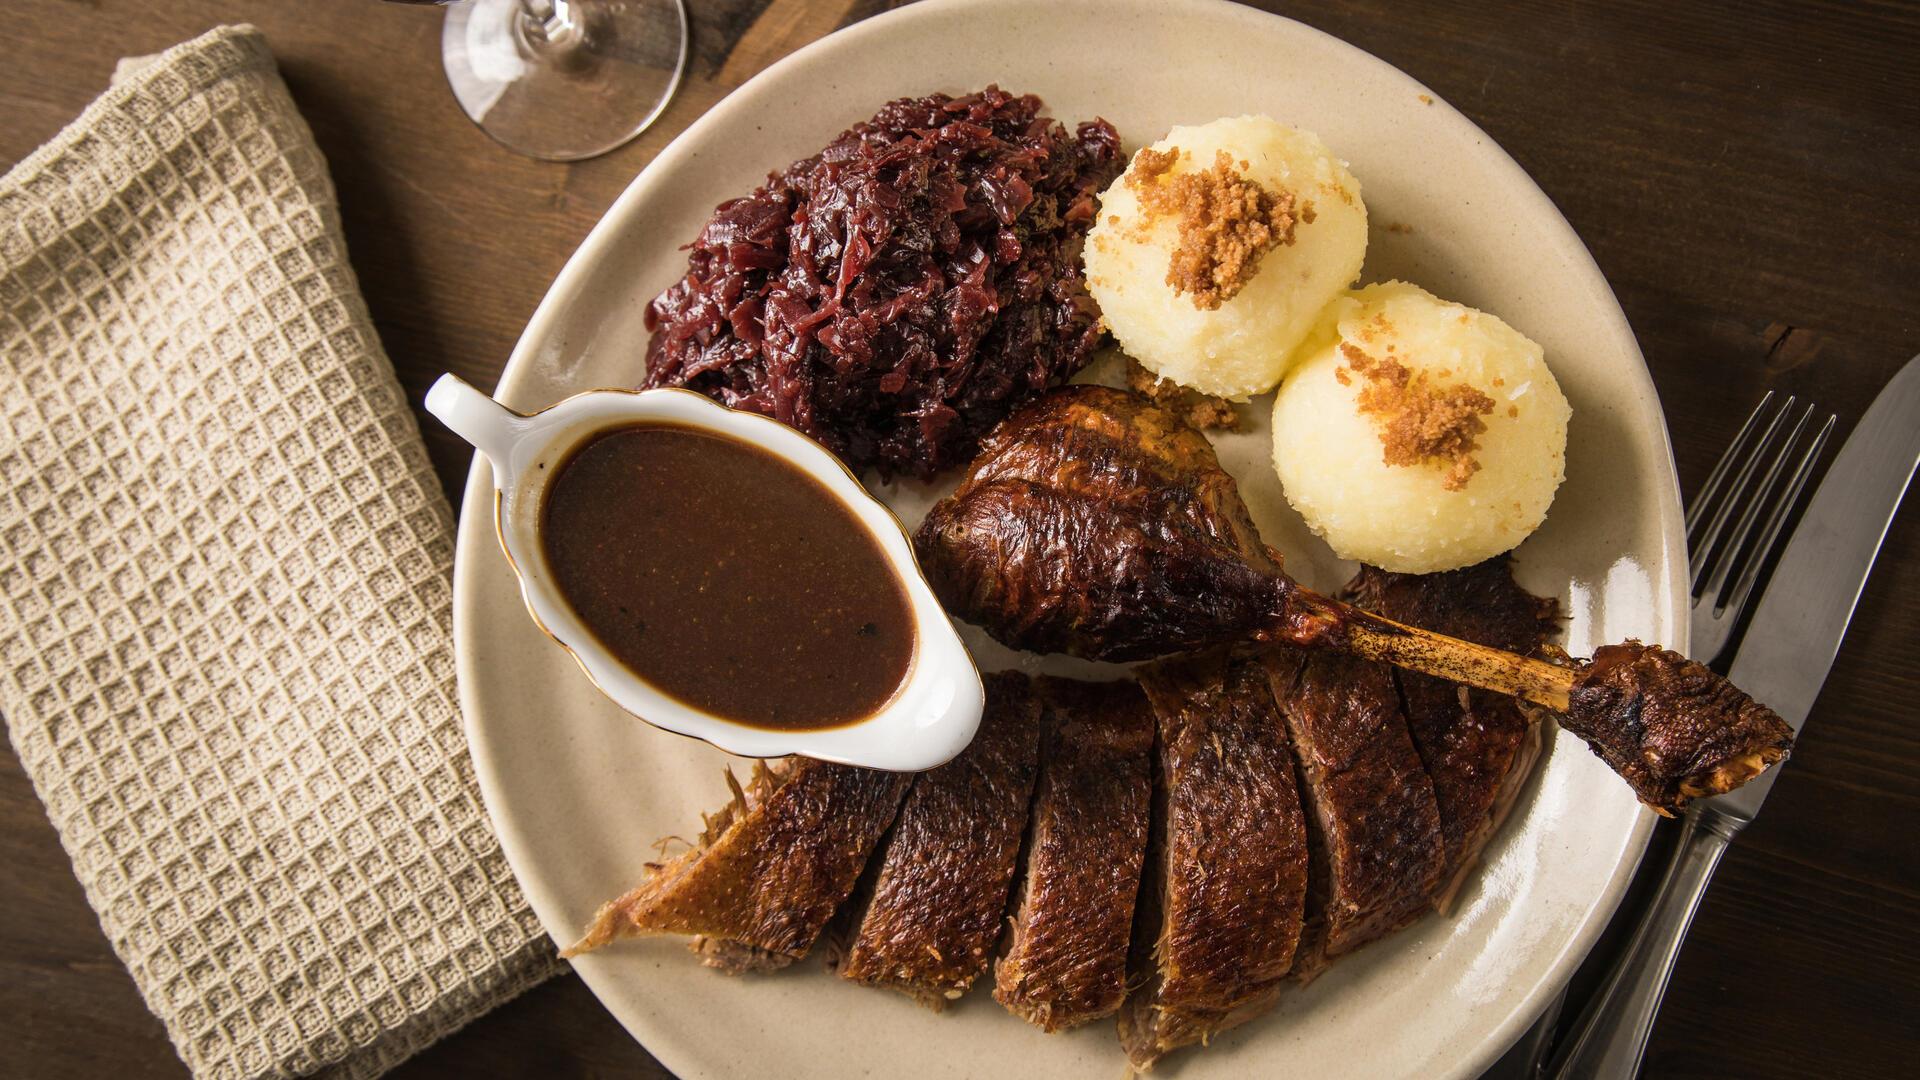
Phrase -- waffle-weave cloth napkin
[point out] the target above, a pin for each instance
(226, 657)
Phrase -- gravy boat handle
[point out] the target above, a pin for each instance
(491, 427)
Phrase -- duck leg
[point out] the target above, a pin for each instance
(1097, 524)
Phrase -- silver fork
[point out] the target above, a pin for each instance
(1733, 527)
(1746, 490)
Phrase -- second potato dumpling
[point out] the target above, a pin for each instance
(1215, 250)
(1419, 435)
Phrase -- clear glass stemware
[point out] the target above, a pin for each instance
(563, 80)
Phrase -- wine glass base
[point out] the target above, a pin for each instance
(572, 86)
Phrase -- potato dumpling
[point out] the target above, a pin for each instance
(1419, 435)
(1215, 250)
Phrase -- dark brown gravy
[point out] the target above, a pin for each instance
(727, 578)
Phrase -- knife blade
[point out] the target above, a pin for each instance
(1796, 629)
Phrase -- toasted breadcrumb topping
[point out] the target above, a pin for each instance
(1203, 411)
(1227, 221)
(1418, 421)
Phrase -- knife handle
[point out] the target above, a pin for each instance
(1609, 1039)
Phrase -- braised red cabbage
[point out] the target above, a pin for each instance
(895, 295)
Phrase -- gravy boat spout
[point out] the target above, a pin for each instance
(929, 719)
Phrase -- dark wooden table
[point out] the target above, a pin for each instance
(1744, 172)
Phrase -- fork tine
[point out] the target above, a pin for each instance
(1777, 518)
(1710, 490)
(1756, 502)
(1702, 549)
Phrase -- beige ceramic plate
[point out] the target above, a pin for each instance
(580, 791)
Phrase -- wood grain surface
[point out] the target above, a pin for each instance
(1744, 172)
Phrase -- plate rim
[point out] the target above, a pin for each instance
(578, 270)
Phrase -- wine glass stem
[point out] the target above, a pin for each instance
(551, 22)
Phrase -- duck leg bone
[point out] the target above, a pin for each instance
(1670, 727)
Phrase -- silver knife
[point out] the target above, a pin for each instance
(1797, 628)
(1782, 662)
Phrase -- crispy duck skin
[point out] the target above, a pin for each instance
(1099, 524)
(1672, 728)
(769, 870)
(1067, 957)
(1143, 546)
(1373, 826)
(1477, 746)
(1228, 870)
(940, 899)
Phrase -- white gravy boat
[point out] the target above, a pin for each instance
(930, 718)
